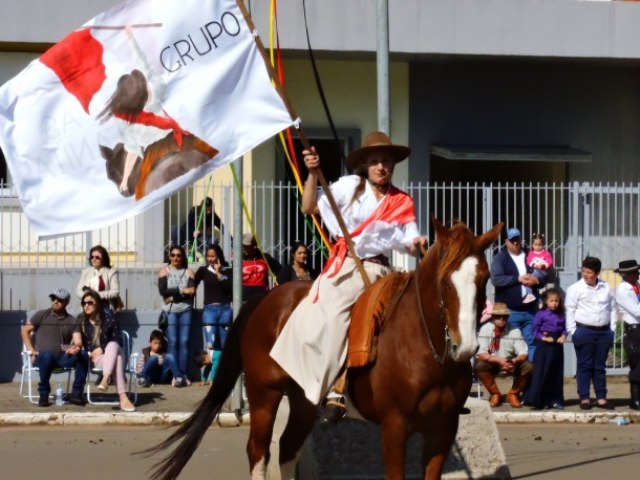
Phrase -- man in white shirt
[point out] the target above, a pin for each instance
(628, 300)
(591, 320)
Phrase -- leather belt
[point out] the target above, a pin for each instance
(378, 259)
(593, 327)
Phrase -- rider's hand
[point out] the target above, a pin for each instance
(311, 158)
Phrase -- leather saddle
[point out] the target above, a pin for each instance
(368, 316)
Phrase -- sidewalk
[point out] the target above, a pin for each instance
(164, 404)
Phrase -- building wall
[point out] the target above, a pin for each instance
(554, 28)
(591, 106)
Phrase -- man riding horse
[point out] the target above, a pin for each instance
(312, 347)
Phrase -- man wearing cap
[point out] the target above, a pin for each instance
(255, 268)
(590, 307)
(312, 347)
(517, 286)
(502, 352)
(628, 301)
(54, 328)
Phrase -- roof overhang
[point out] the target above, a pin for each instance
(511, 153)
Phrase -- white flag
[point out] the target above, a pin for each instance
(142, 101)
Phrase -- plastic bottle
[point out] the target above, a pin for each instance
(620, 421)
(59, 394)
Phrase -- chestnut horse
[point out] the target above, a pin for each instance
(418, 383)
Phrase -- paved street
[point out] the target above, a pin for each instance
(550, 452)
(559, 451)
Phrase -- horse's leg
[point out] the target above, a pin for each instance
(437, 444)
(394, 443)
(433, 470)
(302, 415)
(263, 406)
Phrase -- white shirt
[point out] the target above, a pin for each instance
(378, 237)
(519, 260)
(594, 306)
(511, 342)
(628, 303)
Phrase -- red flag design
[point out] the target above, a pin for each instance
(77, 61)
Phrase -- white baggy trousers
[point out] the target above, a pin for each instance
(312, 347)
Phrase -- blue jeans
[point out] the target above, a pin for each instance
(48, 361)
(216, 320)
(592, 348)
(523, 321)
(178, 338)
(154, 373)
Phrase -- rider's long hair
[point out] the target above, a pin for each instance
(130, 96)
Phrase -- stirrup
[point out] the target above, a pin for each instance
(334, 410)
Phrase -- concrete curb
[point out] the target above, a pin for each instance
(228, 420)
(113, 418)
(563, 417)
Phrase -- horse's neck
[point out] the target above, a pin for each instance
(428, 278)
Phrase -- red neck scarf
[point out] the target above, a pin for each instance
(495, 341)
(396, 207)
(152, 120)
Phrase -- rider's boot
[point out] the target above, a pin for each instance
(335, 405)
(334, 409)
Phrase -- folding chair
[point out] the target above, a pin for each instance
(29, 371)
(130, 359)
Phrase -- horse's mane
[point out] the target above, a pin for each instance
(453, 249)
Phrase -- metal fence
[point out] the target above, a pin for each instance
(578, 219)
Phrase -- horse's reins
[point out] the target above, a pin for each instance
(447, 338)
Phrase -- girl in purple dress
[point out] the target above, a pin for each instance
(550, 332)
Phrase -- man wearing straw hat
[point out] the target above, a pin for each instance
(502, 351)
(312, 347)
(628, 301)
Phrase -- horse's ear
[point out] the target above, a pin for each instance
(486, 239)
(441, 231)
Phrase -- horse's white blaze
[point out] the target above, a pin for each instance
(464, 279)
(259, 471)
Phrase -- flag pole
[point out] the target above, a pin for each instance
(306, 145)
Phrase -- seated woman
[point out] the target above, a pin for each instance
(101, 339)
(297, 268)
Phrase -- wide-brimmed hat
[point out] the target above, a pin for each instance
(627, 266)
(377, 141)
(500, 309)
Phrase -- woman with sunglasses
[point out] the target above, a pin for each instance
(101, 277)
(177, 286)
(103, 344)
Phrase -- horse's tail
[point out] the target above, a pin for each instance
(194, 428)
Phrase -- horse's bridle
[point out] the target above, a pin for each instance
(447, 338)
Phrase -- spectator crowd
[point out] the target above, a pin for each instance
(521, 335)
(55, 339)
